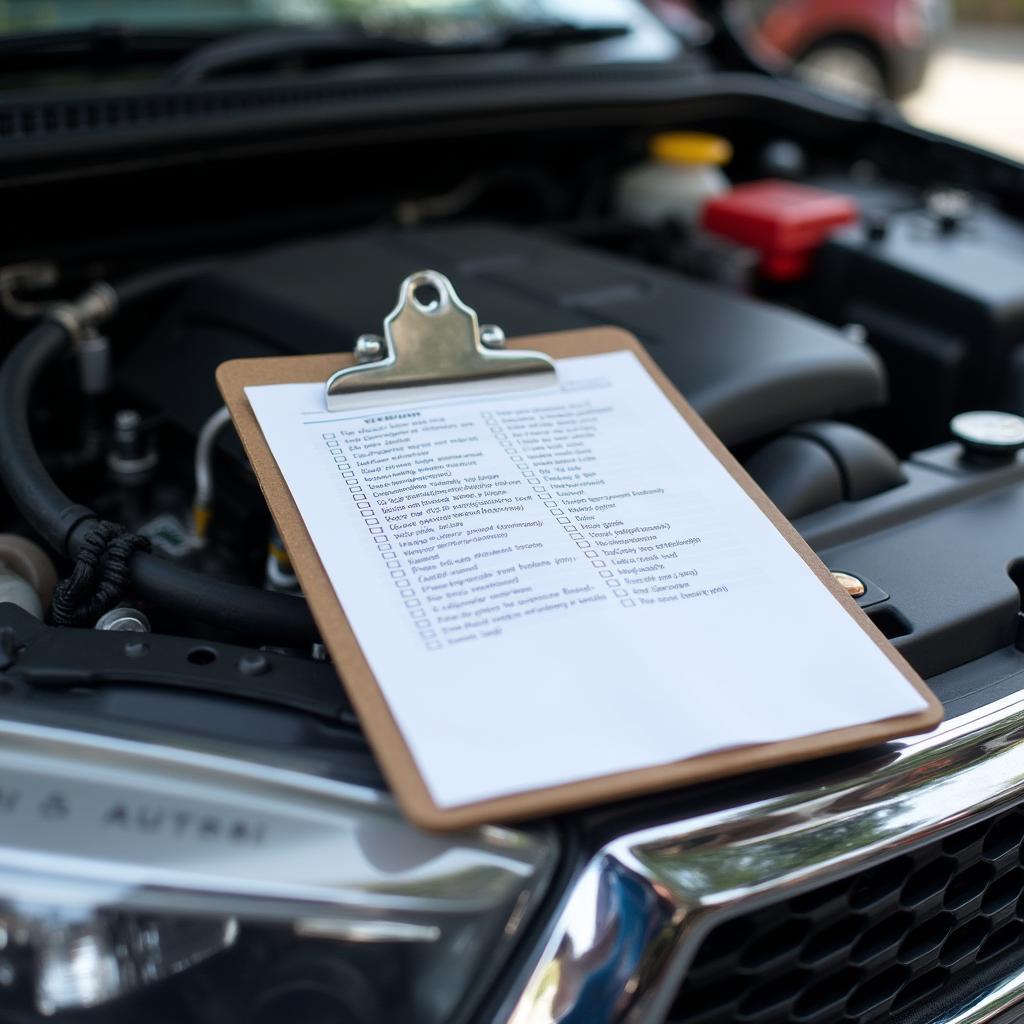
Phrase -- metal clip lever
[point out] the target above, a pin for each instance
(431, 337)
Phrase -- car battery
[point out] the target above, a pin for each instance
(938, 289)
(783, 221)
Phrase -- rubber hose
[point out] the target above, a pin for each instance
(262, 615)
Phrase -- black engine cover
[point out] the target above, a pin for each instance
(749, 368)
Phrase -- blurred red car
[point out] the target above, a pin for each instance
(865, 47)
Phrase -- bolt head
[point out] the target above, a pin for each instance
(124, 620)
(127, 420)
(853, 586)
(253, 664)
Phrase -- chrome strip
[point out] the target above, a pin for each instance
(621, 942)
(1003, 1001)
(154, 825)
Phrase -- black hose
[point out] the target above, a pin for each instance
(263, 615)
(149, 282)
(39, 499)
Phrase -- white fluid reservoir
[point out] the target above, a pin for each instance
(683, 173)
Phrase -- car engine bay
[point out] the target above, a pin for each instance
(833, 381)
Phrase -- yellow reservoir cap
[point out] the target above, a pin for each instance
(690, 148)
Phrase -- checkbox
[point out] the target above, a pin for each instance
(572, 529)
(355, 487)
(373, 521)
(628, 603)
(397, 573)
(605, 573)
(592, 554)
(518, 459)
(333, 444)
(411, 603)
(329, 434)
(380, 540)
(621, 593)
(376, 529)
(558, 512)
(407, 593)
(386, 550)
(550, 504)
(541, 492)
(532, 480)
(429, 635)
(393, 564)
(561, 519)
(599, 565)
(613, 583)
(348, 473)
(583, 543)
(416, 613)
(366, 513)
(362, 504)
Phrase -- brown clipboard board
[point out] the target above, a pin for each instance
(395, 759)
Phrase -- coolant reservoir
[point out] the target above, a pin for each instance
(683, 174)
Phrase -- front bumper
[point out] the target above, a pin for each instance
(626, 930)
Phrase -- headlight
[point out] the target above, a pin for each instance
(147, 883)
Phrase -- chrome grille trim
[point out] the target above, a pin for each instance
(626, 930)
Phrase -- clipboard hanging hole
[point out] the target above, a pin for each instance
(428, 293)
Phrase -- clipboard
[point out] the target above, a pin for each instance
(403, 359)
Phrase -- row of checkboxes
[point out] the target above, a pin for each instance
(508, 444)
(574, 532)
(341, 463)
(618, 590)
(392, 563)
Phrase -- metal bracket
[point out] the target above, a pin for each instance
(431, 337)
(47, 658)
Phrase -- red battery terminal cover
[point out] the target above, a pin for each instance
(785, 222)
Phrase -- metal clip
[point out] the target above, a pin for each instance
(433, 338)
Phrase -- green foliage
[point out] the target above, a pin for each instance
(990, 10)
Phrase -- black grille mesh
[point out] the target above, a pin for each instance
(885, 941)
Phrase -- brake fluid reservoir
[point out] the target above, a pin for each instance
(683, 174)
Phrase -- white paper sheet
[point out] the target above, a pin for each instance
(565, 584)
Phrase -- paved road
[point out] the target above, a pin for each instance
(974, 89)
